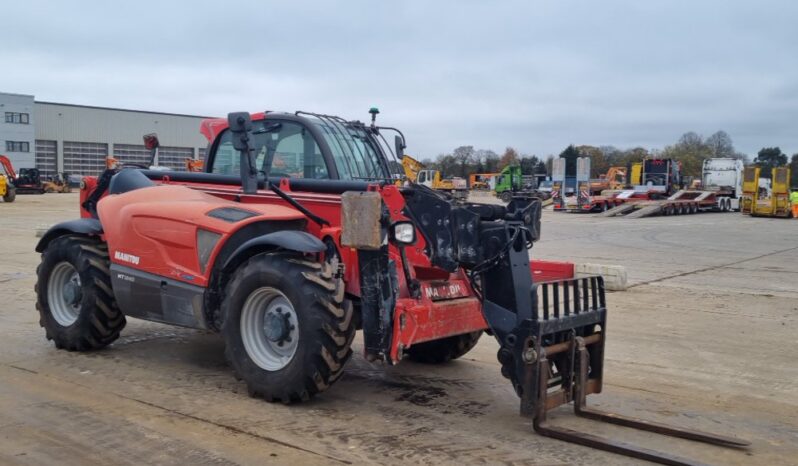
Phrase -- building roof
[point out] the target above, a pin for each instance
(15, 94)
(40, 102)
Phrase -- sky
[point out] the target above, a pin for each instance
(534, 75)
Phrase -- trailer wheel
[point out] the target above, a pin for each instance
(287, 328)
(10, 195)
(74, 297)
(443, 350)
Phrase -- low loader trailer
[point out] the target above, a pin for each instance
(683, 202)
(310, 243)
(766, 202)
(585, 202)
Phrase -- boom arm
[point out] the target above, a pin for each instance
(411, 167)
(9, 169)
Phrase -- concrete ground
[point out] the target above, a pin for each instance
(704, 339)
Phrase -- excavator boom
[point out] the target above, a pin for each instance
(7, 167)
(411, 167)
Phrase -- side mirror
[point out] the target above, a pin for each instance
(151, 141)
(399, 144)
(240, 124)
(152, 144)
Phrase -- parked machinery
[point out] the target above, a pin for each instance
(7, 190)
(725, 177)
(415, 172)
(27, 181)
(482, 181)
(615, 178)
(508, 182)
(57, 184)
(570, 185)
(288, 268)
(662, 175)
(763, 202)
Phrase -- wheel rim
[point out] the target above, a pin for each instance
(269, 328)
(64, 294)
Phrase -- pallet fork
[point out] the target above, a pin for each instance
(581, 386)
(552, 338)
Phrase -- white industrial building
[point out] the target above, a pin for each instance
(75, 139)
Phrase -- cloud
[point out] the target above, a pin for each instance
(534, 75)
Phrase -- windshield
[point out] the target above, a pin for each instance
(287, 148)
(355, 152)
(656, 166)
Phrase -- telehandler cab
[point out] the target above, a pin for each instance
(294, 237)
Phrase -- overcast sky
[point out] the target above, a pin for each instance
(533, 75)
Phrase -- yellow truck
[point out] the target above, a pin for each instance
(763, 202)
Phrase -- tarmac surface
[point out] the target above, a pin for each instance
(704, 338)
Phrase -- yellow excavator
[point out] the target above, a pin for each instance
(416, 173)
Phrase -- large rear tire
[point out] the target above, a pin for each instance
(74, 297)
(287, 328)
(443, 350)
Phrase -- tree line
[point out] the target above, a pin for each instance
(465, 160)
(691, 149)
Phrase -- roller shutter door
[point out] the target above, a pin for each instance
(131, 154)
(46, 154)
(172, 157)
(84, 158)
(175, 157)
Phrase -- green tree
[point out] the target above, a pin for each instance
(510, 157)
(570, 154)
(794, 171)
(768, 158)
(720, 145)
(528, 164)
(446, 164)
(691, 150)
(598, 162)
(489, 161)
(463, 156)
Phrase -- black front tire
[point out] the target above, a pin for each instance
(325, 321)
(10, 195)
(443, 350)
(506, 197)
(99, 320)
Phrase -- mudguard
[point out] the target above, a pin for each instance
(292, 240)
(84, 226)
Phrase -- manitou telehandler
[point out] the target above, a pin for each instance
(296, 236)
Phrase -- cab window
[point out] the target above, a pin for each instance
(287, 148)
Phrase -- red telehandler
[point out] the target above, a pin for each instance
(296, 236)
